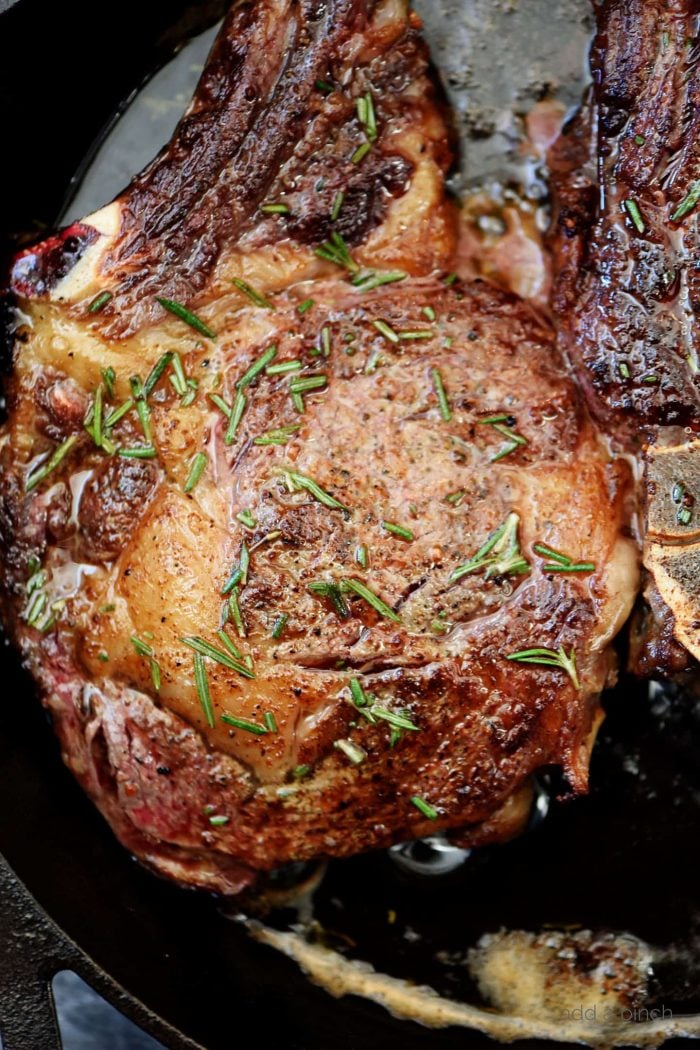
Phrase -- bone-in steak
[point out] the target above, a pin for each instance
(270, 547)
(625, 176)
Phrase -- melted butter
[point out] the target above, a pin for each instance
(340, 976)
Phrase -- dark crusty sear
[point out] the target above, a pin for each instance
(332, 554)
(627, 184)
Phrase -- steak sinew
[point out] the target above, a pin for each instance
(625, 176)
(297, 482)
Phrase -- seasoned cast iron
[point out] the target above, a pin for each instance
(624, 859)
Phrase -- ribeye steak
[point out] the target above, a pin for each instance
(282, 499)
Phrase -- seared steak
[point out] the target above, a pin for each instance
(625, 176)
(310, 546)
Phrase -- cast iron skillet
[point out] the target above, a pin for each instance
(624, 859)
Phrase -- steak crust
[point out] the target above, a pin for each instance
(627, 293)
(306, 517)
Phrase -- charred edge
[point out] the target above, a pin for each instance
(36, 271)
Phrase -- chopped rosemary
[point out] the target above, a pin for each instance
(624, 369)
(351, 751)
(144, 649)
(240, 571)
(426, 809)
(270, 722)
(331, 591)
(243, 723)
(337, 205)
(279, 626)
(138, 452)
(429, 312)
(360, 153)
(99, 302)
(235, 418)
(196, 470)
(299, 772)
(559, 562)
(156, 372)
(109, 378)
(257, 367)
(500, 555)
(398, 530)
(360, 698)
(386, 330)
(274, 209)
(118, 413)
(688, 203)
(372, 279)
(335, 250)
(549, 658)
(362, 555)
(394, 718)
(282, 367)
(218, 822)
(222, 405)
(417, 333)
(297, 481)
(455, 498)
(439, 387)
(370, 597)
(306, 305)
(204, 648)
(235, 612)
(635, 215)
(326, 341)
(367, 116)
(255, 297)
(202, 684)
(54, 461)
(277, 437)
(325, 87)
(188, 317)
(246, 518)
(515, 440)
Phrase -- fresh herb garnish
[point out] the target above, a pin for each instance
(549, 658)
(372, 279)
(283, 367)
(204, 648)
(439, 387)
(109, 378)
(297, 481)
(351, 751)
(202, 684)
(688, 203)
(274, 209)
(358, 588)
(188, 317)
(257, 367)
(398, 530)
(235, 418)
(360, 698)
(218, 821)
(394, 718)
(144, 649)
(246, 518)
(331, 591)
(255, 297)
(515, 440)
(337, 205)
(51, 464)
(277, 437)
(424, 807)
(196, 470)
(362, 555)
(279, 626)
(335, 250)
(156, 372)
(243, 723)
(138, 452)
(235, 612)
(99, 302)
(367, 116)
(360, 153)
(270, 722)
(306, 305)
(500, 555)
(558, 562)
(386, 330)
(635, 215)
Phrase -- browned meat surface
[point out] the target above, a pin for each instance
(627, 297)
(292, 487)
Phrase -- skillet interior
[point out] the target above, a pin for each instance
(623, 859)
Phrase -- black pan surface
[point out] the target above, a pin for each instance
(624, 859)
